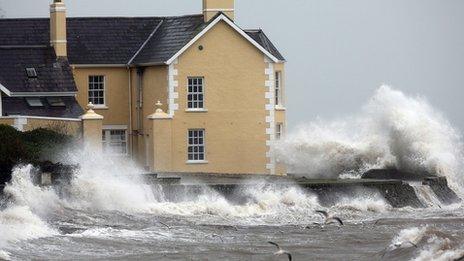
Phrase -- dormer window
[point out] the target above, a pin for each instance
(56, 102)
(31, 73)
(34, 102)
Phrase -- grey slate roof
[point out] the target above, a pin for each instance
(171, 36)
(115, 40)
(53, 75)
(260, 37)
(107, 40)
(18, 106)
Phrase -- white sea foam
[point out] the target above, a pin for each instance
(266, 202)
(432, 244)
(413, 234)
(392, 130)
(41, 200)
(374, 204)
(19, 223)
(105, 183)
(439, 249)
(21, 220)
(4, 255)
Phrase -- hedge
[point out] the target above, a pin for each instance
(33, 147)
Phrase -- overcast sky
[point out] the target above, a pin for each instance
(338, 51)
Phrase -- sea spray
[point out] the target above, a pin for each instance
(24, 218)
(440, 249)
(392, 130)
(431, 244)
(41, 200)
(107, 183)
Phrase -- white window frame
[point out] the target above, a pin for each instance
(278, 88)
(279, 131)
(105, 142)
(193, 101)
(198, 145)
(97, 105)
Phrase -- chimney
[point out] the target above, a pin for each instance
(58, 28)
(212, 7)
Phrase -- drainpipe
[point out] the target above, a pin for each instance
(140, 71)
(130, 111)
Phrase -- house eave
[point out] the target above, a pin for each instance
(99, 65)
(5, 90)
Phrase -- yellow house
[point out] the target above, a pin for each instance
(192, 93)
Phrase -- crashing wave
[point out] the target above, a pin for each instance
(392, 130)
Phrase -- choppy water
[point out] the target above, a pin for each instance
(42, 225)
(109, 212)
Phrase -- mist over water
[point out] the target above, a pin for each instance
(392, 130)
(108, 209)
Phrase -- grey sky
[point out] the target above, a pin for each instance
(338, 51)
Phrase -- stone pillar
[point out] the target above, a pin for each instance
(92, 126)
(161, 140)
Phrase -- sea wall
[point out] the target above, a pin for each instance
(398, 193)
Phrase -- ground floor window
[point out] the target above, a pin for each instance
(196, 144)
(279, 131)
(114, 141)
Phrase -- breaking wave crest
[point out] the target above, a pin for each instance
(24, 218)
(428, 244)
(392, 130)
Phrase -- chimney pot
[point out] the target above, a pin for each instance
(58, 28)
(212, 7)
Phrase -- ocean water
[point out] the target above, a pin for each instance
(108, 212)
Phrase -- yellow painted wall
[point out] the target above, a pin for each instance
(280, 113)
(65, 127)
(7, 121)
(154, 89)
(116, 93)
(234, 97)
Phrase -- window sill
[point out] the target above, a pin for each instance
(196, 110)
(100, 107)
(280, 108)
(196, 162)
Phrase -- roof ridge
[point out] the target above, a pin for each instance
(146, 41)
(23, 46)
(104, 17)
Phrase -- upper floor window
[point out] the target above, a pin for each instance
(278, 88)
(196, 145)
(114, 141)
(279, 131)
(97, 89)
(195, 93)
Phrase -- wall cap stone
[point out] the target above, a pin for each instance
(90, 114)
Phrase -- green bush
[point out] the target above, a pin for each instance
(27, 147)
